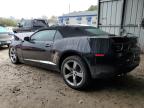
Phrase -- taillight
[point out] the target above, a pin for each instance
(99, 55)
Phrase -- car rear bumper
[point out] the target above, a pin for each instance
(107, 71)
(110, 68)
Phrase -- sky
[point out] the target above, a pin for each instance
(39, 8)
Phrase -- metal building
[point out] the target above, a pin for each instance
(82, 17)
(122, 17)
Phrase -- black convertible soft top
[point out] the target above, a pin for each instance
(74, 30)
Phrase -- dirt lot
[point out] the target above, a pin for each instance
(23, 86)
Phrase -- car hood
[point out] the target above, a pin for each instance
(22, 35)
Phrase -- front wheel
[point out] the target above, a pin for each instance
(75, 73)
(13, 55)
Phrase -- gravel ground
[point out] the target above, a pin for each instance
(23, 86)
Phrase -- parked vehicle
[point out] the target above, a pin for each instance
(30, 25)
(5, 37)
(81, 53)
(10, 29)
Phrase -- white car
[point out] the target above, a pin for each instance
(5, 37)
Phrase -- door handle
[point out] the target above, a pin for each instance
(48, 45)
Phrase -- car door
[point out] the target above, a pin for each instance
(38, 49)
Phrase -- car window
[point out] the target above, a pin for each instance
(58, 36)
(22, 22)
(27, 23)
(45, 35)
(39, 23)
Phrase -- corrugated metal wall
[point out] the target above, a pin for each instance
(110, 15)
(122, 16)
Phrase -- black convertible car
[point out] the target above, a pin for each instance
(80, 53)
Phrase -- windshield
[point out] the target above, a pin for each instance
(3, 30)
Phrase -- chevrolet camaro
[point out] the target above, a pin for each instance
(80, 53)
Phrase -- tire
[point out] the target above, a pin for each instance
(75, 73)
(13, 55)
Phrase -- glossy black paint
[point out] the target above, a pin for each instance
(52, 53)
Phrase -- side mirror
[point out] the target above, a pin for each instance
(27, 38)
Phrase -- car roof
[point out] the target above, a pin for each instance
(72, 30)
(34, 19)
(60, 27)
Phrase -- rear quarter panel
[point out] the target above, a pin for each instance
(78, 45)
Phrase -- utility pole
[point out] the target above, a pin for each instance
(69, 7)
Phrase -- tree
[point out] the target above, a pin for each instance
(7, 22)
(93, 8)
(52, 20)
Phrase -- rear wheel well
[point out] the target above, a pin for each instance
(65, 55)
(68, 54)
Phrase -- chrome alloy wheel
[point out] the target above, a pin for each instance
(13, 56)
(73, 73)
